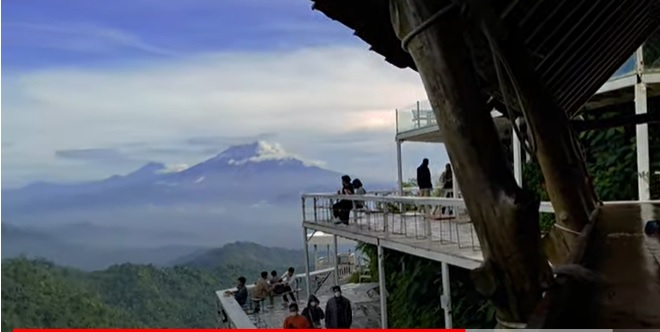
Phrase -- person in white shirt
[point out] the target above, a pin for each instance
(289, 282)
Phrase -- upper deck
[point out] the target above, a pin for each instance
(414, 225)
(418, 124)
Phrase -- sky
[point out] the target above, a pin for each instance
(96, 88)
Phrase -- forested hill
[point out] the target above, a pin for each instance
(37, 293)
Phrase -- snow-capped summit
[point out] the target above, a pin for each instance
(258, 152)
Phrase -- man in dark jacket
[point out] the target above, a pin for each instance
(424, 178)
(424, 181)
(338, 312)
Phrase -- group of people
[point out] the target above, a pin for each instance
(267, 287)
(341, 210)
(425, 183)
(338, 313)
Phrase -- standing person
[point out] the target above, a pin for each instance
(424, 180)
(295, 320)
(338, 312)
(313, 312)
(447, 182)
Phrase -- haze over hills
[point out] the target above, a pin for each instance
(248, 192)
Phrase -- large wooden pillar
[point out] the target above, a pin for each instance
(556, 147)
(504, 215)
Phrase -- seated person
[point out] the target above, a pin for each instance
(262, 288)
(359, 190)
(241, 293)
(342, 209)
(288, 282)
(274, 278)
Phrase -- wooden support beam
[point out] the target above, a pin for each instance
(557, 149)
(504, 215)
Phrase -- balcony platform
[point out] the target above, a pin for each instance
(364, 298)
(420, 232)
(451, 241)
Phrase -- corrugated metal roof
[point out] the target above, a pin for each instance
(576, 45)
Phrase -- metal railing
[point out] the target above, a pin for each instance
(436, 219)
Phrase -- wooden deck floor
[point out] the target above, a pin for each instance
(442, 240)
(629, 261)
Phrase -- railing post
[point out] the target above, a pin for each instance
(315, 201)
(304, 216)
(517, 155)
(382, 287)
(445, 299)
(335, 260)
(642, 134)
(399, 168)
(306, 241)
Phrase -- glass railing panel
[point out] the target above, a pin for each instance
(404, 120)
(417, 116)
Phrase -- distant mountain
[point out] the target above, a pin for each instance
(245, 254)
(17, 241)
(246, 174)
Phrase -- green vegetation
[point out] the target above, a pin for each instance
(39, 294)
(414, 293)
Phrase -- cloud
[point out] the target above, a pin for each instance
(215, 141)
(81, 37)
(324, 103)
(93, 155)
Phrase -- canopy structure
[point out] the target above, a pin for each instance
(537, 62)
(575, 45)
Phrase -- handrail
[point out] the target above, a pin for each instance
(545, 207)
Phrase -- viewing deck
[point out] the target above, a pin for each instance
(414, 225)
